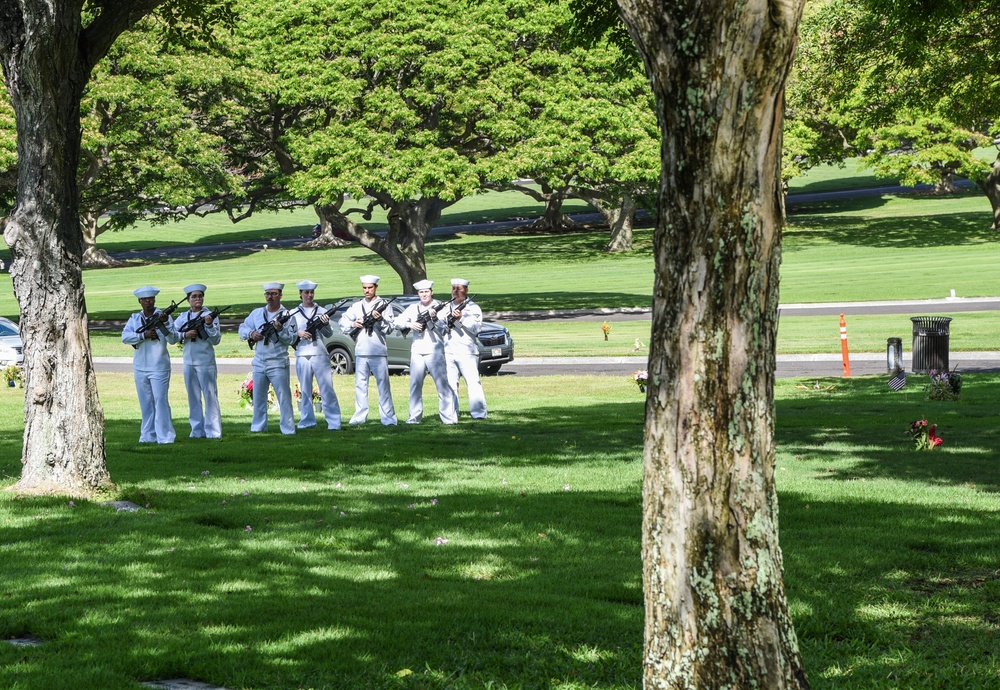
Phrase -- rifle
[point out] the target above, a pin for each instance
(423, 317)
(271, 328)
(198, 324)
(314, 324)
(457, 307)
(368, 323)
(156, 320)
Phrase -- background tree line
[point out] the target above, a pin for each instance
(347, 107)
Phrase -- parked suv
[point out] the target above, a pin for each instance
(496, 346)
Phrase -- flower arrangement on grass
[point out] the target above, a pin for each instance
(641, 379)
(246, 394)
(924, 435)
(944, 385)
(606, 327)
(13, 375)
(317, 398)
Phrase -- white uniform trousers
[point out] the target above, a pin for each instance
(468, 367)
(420, 366)
(319, 365)
(276, 376)
(153, 388)
(201, 381)
(379, 368)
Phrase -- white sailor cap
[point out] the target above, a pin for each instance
(146, 291)
(195, 287)
(460, 281)
(423, 285)
(274, 286)
(306, 285)
(370, 280)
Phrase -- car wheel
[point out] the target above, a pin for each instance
(489, 369)
(341, 361)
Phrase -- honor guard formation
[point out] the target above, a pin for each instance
(444, 346)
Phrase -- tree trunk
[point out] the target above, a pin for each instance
(327, 238)
(618, 215)
(991, 187)
(94, 256)
(410, 224)
(716, 611)
(63, 421)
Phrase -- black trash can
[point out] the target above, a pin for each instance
(930, 343)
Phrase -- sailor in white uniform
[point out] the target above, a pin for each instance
(371, 355)
(200, 371)
(311, 359)
(270, 358)
(148, 332)
(461, 347)
(427, 355)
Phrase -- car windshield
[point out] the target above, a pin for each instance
(7, 330)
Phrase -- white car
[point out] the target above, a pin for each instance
(11, 347)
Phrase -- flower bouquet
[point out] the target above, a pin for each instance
(316, 397)
(924, 435)
(641, 379)
(606, 327)
(944, 385)
(246, 394)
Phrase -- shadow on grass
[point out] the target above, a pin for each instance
(892, 595)
(860, 431)
(921, 231)
(283, 567)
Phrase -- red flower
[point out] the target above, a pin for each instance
(932, 438)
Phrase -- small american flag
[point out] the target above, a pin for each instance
(897, 381)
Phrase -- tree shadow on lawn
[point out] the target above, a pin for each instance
(915, 231)
(860, 431)
(892, 595)
(528, 590)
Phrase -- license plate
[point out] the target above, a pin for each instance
(496, 352)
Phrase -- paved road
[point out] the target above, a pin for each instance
(787, 365)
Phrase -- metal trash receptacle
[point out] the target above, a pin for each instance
(930, 343)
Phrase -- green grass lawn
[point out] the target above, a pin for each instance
(499, 554)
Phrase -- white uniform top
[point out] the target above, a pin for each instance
(150, 355)
(431, 339)
(315, 346)
(198, 350)
(273, 351)
(461, 339)
(368, 345)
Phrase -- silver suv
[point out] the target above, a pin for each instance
(496, 346)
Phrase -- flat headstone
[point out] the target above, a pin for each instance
(25, 642)
(123, 506)
(180, 684)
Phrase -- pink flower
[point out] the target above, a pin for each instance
(440, 540)
(249, 528)
(933, 438)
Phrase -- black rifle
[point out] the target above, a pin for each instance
(314, 324)
(159, 319)
(271, 328)
(198, 324)
(457, 307)
(368, 323)
(423, 317)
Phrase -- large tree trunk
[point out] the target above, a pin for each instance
(94, 256)
(327, 224)
(63, 420)
(991, 187)
(619, 216)
(410, 224)
(716, 611)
